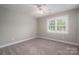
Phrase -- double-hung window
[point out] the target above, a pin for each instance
(58, 24)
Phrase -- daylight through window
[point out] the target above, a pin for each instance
(58, 24)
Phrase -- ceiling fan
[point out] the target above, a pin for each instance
(42, 8)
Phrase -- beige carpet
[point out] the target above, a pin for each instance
(40, 47)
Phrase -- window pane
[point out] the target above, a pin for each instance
(49, 27)
(52, 28)
(60, 22)
(52, 22)
(64, 28)
(58, 28)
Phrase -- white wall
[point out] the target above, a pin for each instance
(73, 27)
(15, 26)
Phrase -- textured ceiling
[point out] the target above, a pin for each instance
(53, 8)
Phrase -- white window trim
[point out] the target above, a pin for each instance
(67, 21)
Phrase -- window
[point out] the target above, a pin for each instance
(58, 24)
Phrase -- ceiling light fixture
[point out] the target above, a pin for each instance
(42, 8)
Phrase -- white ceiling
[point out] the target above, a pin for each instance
(61, 7)
(18, 7)
(54, 8)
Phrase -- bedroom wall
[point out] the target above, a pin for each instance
(72, 35)
(15, 26)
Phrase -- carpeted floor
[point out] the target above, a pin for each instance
(40, 47)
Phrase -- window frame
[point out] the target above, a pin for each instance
(65, 17)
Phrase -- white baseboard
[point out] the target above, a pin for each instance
(17, 42)
(38, 37)
(71, 43)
